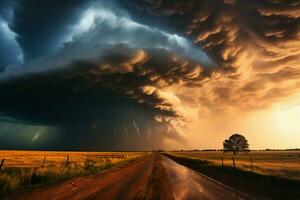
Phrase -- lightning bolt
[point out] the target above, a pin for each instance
(136, 127)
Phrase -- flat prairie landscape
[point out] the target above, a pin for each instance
(23, 169)
(284, 164)
(144, 175)
(32, 159)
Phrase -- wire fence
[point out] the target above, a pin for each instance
(284, 164)
(43, 160)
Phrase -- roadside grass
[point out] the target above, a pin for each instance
(257, 185)
(285, 164)
(17, 179)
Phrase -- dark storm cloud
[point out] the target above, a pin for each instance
(10, 51)
(107, 77)
(98, 93)
(42, 26)
(6, 8)
(128, 73)
(117, 71)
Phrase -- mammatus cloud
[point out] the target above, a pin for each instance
(117, 82)
(255, 43)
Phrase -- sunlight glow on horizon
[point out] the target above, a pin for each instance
(272, 128)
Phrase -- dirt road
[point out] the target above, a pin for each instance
(151, 177)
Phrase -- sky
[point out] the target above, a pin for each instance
(149, 74)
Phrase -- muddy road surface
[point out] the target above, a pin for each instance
(153, 176)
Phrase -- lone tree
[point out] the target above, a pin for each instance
(236, 143)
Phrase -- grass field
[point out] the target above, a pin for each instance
(24, 169)
(284, 164)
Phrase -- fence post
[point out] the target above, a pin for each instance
(233, 162)
(87, 160)
(2, 163)
(44, 161)
(251, 162)
(236, 194)
(67, 161)
(222, 161)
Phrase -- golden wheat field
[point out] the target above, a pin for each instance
(31, 159)
(22, 169)
(285, 164)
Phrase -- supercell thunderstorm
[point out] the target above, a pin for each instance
(99, 77)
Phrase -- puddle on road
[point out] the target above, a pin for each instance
(188, 185)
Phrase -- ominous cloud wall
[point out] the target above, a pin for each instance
(95, 75)
(130, 74)
(110, 101)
